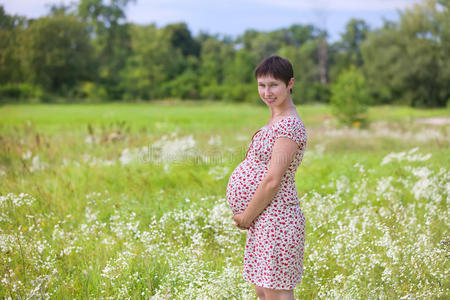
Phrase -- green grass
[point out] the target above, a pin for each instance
(100, 228)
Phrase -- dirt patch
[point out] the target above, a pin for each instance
(322, 117)
(434, 121)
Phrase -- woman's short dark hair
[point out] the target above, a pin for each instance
(277, 67)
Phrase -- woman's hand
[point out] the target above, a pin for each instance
(241, 222)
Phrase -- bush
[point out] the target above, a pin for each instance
(245, 92)
(184, 86)
(349, 96)
(91, 92)
(20, 91)
(212, 92)
(310, 92)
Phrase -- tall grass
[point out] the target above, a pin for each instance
(127, 201)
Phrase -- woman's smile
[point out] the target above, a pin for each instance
(273, 91)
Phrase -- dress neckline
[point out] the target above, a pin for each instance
(268, 127)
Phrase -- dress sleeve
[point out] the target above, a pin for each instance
(292, 129)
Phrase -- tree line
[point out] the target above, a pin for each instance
(90, 52)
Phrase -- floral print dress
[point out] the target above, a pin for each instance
(273, 256)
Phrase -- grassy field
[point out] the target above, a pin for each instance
(115, 200)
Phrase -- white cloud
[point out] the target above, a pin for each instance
(31, 8)
(161, 15)
(171, 10)
(234, 16)
(349, 5)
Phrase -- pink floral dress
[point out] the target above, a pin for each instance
(273, 256)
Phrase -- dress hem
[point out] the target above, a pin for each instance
(262, 285)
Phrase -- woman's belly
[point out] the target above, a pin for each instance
(243, 183)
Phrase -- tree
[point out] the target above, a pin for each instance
(215, 56)
(181, 38)
(211, 67)
(10, 29)
(111, 40)
(409, 62)
(153, 61)
(305, 60)
(347, 51)
(355, 33)
(349, 97)
(61, 9)
(55, 52)
(301, 34)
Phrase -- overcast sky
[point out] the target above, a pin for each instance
(233, 17)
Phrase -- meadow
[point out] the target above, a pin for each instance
(117, 201)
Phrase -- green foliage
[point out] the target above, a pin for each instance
(241, 93)
(21, 91)
(240, 69)
(213, 91)
(55, 52)
(347, 51)
(349, 97)
(356, 32)
(111, 41)
(408, 62)
(89, 50)
(91, 92)
(180, 38)
(10, 29)
(307, 87)
(214, 56)
(149, 66)
(184, 86)
(231, 93)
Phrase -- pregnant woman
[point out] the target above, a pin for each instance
(261, 190)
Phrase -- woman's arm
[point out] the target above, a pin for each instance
(282, 155)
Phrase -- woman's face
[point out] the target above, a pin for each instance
(273, 91)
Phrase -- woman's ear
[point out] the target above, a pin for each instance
(291, 83)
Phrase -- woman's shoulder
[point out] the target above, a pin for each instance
(290, 122)
(291, 127)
